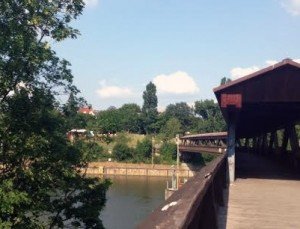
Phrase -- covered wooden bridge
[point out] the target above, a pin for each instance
(207, 143)
(261, 163)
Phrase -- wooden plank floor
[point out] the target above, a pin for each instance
(264, 196)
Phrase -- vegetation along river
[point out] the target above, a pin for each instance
(130, 199)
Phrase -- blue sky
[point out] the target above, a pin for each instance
(184, 46)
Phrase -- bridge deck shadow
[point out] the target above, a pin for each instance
(264, 195)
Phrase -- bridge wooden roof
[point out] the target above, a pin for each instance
(214, 135)
(270, 99)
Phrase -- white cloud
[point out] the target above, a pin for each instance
(107, 92)
(176, 83)
(291, 6)
(91, 3)
(239, 72)
(271, 62)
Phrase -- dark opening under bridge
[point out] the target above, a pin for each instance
(256, 182)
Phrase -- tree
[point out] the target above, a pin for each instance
(109, 121)
(182, 112)
(211, 116)
(122, 152)
(172, 127)
(225, 80)
(168, 152)
(143, 150)
(206, 108)
(130, 117)
(41, 179)
(149, 109)
(75, 120)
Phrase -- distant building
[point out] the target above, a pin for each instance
(79, 133)
(86, 110)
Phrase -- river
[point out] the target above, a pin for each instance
(130, 199)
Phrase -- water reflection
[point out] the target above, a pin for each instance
(130, 199)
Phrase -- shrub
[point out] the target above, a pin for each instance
(90, 150)
(168, 152)
(143, 150)
(122, 152)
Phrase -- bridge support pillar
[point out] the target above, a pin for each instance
(231, 151)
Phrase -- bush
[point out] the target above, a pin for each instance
(91, 151)
(122, 152)
(143, 150)
(168, 152)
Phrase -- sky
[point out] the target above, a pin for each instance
(184, 47)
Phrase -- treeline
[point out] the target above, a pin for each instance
(159, 128)
(179, 118)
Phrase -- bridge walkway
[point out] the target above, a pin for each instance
(265, 195)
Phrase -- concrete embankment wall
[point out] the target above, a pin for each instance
(113, 168)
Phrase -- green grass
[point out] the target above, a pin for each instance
(132, 141)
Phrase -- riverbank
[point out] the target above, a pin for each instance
(131, 169)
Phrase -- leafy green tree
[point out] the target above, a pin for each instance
(74, 119)
(168, 152)
(206, 108)
(160, 123)
(211, 116)
(90, 150)
(182, 112)
(109, 121)
(225, 80)
(172, 127)
(41, 179)
(143, 150)
(122, 152)
(130, 117)
(149, 109)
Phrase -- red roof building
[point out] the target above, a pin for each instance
(86, 110)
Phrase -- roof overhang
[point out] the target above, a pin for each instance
(264, 101)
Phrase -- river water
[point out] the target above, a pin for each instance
(130, 199)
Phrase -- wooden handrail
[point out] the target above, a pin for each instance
(194, 204)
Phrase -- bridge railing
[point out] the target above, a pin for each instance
(202, 149)
(195, 204)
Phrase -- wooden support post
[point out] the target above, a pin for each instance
(271, 142)
(276, 143)
(254, 144)
(264, 143)
(239, 143)
(247, 145)
(258, 145)
(294, 145)
(231, 150)
(285, 141)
